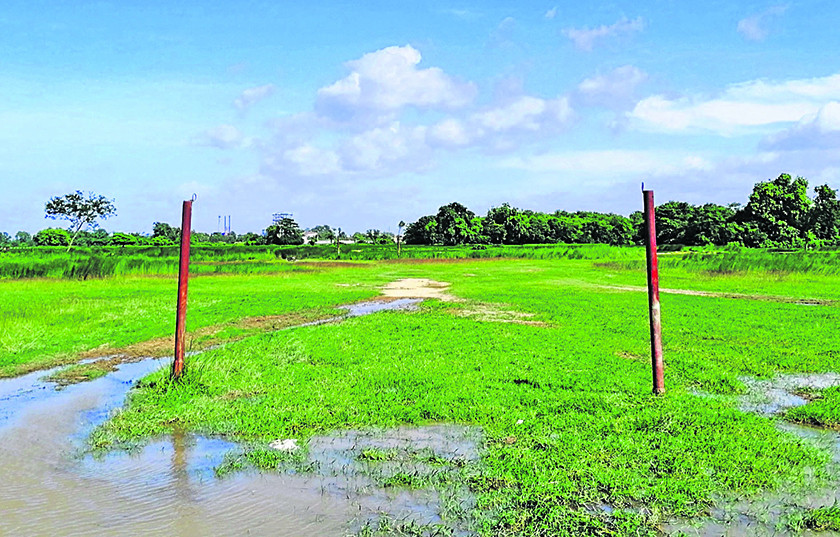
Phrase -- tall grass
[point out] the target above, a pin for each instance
(745, 260)
(100, 262)
(84, 263)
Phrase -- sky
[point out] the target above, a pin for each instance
(362, 114)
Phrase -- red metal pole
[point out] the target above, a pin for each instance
(653, 295)
(183, 280)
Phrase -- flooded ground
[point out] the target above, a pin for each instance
(52, 486)
(772, 514)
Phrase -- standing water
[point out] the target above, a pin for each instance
(51, 486)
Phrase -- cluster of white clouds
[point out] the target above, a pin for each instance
(755, 104)
(391, 115)
(364, 116)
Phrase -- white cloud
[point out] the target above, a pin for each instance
(585, 38)
(740, 106)
(609, 163)
(381, 83)
(222, 137)
(391, 149)
(551, 13)
(306, 160)
(754, 27)
(252, 96)
(615, 89)
(449, 132)
(815, 131)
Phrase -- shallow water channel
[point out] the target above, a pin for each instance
(52, 486)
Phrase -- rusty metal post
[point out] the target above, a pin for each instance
(653, 294)
(183, 280)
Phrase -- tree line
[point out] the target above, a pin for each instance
(779, 214)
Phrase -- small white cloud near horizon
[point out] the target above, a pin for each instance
(585, 38)
(251, 96)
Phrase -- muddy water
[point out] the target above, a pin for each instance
(50, 486)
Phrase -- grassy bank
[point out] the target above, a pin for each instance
(564, 400)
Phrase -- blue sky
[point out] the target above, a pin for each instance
(362, 114)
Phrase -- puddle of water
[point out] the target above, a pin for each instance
(366, 308)
(772, 396)
(168, 487)
(767, 515)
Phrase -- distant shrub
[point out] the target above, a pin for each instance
(52, 237)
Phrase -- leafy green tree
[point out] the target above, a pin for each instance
(672, 222)
(5, 239)
(779, 210)
(52, 237)
(423, 231)
(454, 225)
(123, 239)
(284, 232)
(80, 210)
(505, 225)
(22, 238)
(252, 238)
(825, 214)
(711, 224)
(324, 232)
(166, 231)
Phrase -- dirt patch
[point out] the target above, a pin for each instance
(441, 261)
(714, 294)
(495, 313)
(418, 288)
(329, 264)
(197, 340)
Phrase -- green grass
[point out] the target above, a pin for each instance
(51, 322)
(565, 405)
(824, 411)
(819, 519)
(591, 432)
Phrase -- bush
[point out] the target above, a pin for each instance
(52, 237)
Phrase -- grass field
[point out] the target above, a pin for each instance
(548, 356)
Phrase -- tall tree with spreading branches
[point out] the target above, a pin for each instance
(80, 210)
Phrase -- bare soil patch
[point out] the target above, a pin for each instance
(441, 260)
(418, 288)
(715, 294)
(328, 264)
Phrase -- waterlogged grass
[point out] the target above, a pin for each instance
(823, 411)
(565, 404)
